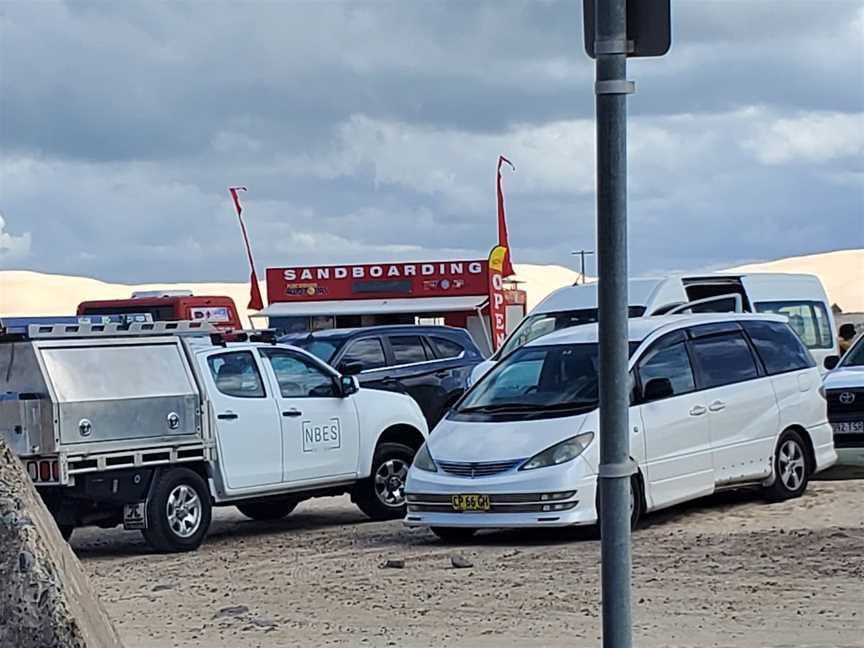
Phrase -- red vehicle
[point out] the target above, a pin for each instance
(169, 305)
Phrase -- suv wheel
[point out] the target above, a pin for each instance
(179, 511)
(382, 495)
(791, 470)
(272, 510)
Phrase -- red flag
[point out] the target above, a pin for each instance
(507, 270)
(255, 300)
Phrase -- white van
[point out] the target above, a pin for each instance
(800, 297)
(718, 401)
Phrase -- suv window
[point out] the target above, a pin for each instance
(778, 347)
(407, 349)
(808, 319)
(368, 352)
(236, 374)
(667, 358)
(446, 348)
(299, 378)
(723, 360)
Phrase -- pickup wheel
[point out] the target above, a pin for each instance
(382, 496)
(179, 511)
(272, 510)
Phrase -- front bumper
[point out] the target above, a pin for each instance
(556, 496)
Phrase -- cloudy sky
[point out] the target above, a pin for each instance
(368, 131)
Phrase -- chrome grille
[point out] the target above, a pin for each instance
(477, 469)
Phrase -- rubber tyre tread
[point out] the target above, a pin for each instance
(159, 534)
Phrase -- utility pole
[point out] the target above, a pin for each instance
(583, 254)
(614, 30)
(616, 467)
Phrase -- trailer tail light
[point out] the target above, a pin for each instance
(33, 470)
(55, 471)
(44, 471)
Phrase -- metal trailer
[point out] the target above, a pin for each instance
(103, 415)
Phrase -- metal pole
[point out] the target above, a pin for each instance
(616, 468)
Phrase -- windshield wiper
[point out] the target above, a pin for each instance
(529, 407)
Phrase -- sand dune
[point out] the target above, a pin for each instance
(33, 293)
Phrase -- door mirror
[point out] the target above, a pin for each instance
(350, 368)
(831, 362)
(347, 386)
(658, 388)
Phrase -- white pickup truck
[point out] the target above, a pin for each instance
(154, 424)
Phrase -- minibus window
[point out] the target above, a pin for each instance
(808, 319)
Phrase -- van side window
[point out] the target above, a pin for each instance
(667, 358)
(723, 359)
(236, 374)
(778, 347)
(808, 319)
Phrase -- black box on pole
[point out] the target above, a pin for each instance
(649, 27)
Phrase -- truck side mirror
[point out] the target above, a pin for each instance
(831, 361)
(350, 368)
(657, 389)
(347, 386)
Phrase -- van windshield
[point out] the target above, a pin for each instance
(540, 324)
(556, 378)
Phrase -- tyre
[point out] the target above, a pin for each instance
(269, 510)
(637, 504)
(791, 468)
(382, 495)
(454, 534)
(179, 511)
(66, 530)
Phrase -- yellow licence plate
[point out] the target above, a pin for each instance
(470, 502)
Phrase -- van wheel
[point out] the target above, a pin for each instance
(179, 511)
(272, 510)
(454, 534)
(791, 472)
(382, 495)
(637, 505)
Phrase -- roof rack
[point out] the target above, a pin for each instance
(133, 329)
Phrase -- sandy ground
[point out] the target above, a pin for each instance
(726, 571)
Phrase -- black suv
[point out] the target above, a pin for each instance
(431, 363)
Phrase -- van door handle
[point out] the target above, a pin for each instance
(228, 416)
(698, 410)
(717, 406)
(292, 413)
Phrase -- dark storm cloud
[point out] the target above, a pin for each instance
(369, 130)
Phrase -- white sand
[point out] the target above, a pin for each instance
(32, 293)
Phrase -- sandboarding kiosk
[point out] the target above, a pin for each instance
(453, 293)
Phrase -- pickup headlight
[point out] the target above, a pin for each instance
(423, 460)
(560, 453)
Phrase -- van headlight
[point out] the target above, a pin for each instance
(423, 460)
(560, 453)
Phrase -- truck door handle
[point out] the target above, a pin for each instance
(292, 413)
(697, 410)
(717, 406)
(227, 416)
(442, 374)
